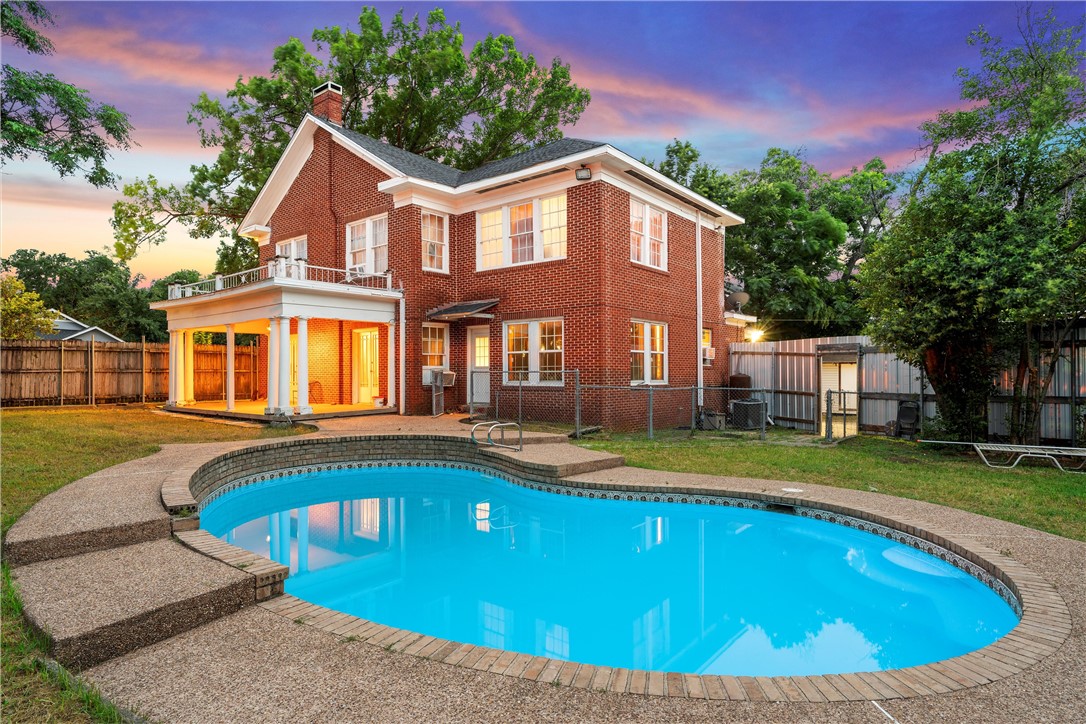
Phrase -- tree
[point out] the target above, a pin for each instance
(990, 244)
(97, 290)
(23, 315)
(46, 117)
(412, 86)
(805, 234)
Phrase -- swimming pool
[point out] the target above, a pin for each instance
(705, 589)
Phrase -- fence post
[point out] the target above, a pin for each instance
(693, 409)
(577, 404)
(829, 415)
(143, 369)
(520, 402)
(765, 413)
(650, 411)
(90, 373)
(61, 375)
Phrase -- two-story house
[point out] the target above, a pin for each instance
(380, 267)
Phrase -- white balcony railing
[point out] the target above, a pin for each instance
(281, 268)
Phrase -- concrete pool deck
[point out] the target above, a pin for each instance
(257, 664)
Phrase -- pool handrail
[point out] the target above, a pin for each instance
(491, 426)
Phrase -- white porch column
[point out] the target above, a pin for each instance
(303, 539)
(391, 377)
(303, 366)
(284, 367)
(273, 366)
(229, 367)
(173, 396)
(189, 367)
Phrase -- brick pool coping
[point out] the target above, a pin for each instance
(1044, 626)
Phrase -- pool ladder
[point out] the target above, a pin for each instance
(501, 427)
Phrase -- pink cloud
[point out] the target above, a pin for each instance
(135, 56)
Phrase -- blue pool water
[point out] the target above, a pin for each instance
(660, 586)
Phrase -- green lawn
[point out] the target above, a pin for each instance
(44, 449)
(1036, 496)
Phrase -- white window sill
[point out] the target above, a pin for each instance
(654, 383)
(435, 271)
(645, 265)
(520, 264)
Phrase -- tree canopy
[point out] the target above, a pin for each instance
(411, 85)
(991, 240)
(804, 236)
(23, 315)
(42, 116)
(96, 290)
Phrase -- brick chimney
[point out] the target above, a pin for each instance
(328, 102)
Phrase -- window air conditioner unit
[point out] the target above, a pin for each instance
(447, 378)
(708, 352)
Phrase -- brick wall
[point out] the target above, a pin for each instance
(596, 289)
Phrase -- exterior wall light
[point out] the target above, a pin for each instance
(755, 334)
(584, 173)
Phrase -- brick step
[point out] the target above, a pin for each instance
(96, 606)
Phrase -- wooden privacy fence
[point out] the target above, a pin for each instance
(53, 372)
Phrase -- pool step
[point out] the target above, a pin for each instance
(543, 460)
(96, 606)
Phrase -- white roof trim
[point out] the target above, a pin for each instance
(275, 188)
(85, 330)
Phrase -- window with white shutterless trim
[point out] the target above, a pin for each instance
(292, 248)
(435, 241)
(648, 353)
(533, 352)
(367, 245)
(648, 234)
(522, 233)
(435, 349)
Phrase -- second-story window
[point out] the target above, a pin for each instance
(367, 245)
(292, 248)
(522, 233)
(648, 235)
(435, 242)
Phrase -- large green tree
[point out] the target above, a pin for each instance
(805, 234)
(96, 290)
(990, 245)
(411, 85)
(42, 116)
(23, 315)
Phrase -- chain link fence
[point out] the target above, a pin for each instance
(842, 414)
(557, 401)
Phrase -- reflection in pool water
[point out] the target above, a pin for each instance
(668, 587)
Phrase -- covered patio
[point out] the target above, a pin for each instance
(328, 346)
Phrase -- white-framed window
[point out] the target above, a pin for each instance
(648, 235)
(648, 353)
(367, 245)
(435, 242)
(533, 352)
(435, 349)
(706, 345)
(521, 233)
(296, 248)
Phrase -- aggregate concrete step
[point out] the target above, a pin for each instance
(561, 462)
(97, 606)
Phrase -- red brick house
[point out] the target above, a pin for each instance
(379, 267)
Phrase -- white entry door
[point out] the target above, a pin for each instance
(367, 367)
(479, 365)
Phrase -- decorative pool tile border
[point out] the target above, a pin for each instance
(1044, 625)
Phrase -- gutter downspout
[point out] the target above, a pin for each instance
(699, 316)
(403, 352)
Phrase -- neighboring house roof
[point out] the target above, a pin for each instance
(403, 166)
(70, 328)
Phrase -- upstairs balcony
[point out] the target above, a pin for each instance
(282, 270)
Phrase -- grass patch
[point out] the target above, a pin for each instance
(45, 449)
(1039, 497)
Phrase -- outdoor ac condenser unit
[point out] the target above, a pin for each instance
(748, 414)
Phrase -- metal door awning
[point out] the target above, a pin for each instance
(462, 310)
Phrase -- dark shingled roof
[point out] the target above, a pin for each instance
(416, 166)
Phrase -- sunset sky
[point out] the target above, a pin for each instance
(846, 81)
